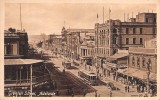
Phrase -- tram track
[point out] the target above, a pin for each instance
(68, 80)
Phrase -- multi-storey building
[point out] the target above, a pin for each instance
(115, 34)
(87, 49)
(55, 42)
(138, 30)
(64, 42)
(17, 66)
(15, 44)
(143, 66)
(72, 40)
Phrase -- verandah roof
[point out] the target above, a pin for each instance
(21, 61)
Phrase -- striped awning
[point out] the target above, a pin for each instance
(21, 61)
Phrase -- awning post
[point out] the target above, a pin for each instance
(31, 80)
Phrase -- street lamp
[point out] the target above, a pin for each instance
(148, 74)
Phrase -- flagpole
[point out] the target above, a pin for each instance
(97, 47)
(103, 14)
(109, 30)
(20, 17)
(109, 13)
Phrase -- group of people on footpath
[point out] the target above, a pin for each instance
(127, 88)
(96, 94)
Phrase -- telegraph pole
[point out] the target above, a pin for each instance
(148, 74)
(31, 81)
(97, 70)
(20, 17)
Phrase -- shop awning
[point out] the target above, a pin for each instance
(127, 71)
(21, 61)
(86, 57)
(143, 75)
(118, 55)
(111, 64)
(140, 74)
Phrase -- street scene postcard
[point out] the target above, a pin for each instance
(80, 49)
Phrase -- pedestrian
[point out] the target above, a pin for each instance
(72, 94)
(84, 92)
(145, 94)
(125, 88)
(95, 93)
(110, 93)
(55, 84)
(128, 88)
(140, 88)
(137, 88)
(57, 92)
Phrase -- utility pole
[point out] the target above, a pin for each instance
(97, 70)
(148, 74)
(103, 15)
(31, 81)
(20, 17)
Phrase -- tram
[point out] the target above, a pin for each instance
(66, 64)
(90, 78)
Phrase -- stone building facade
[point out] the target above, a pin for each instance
(72, 38)
(55, 42)
(115, 34)
(87, 48)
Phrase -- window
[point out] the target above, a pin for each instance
(9, 49)
(127, 40)
(147, 20)
(114, 51)
(143, 62)
(127, 30)
(114, 30)
(154, 30)
(138, 62)
(155, 20)
(134, 30)
(133, 61)
(134, 40)
(141, 30)
(114, 39)
(141, 41)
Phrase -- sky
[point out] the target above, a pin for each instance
(49, 18)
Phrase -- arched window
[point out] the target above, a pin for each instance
(138, 62)
(143, 62)
(133, 61)
(149, 64)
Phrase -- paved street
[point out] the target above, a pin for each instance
(102, 90)
(67, 82)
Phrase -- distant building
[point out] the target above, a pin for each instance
(55, 44)
(72, 40)
(87, 49)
